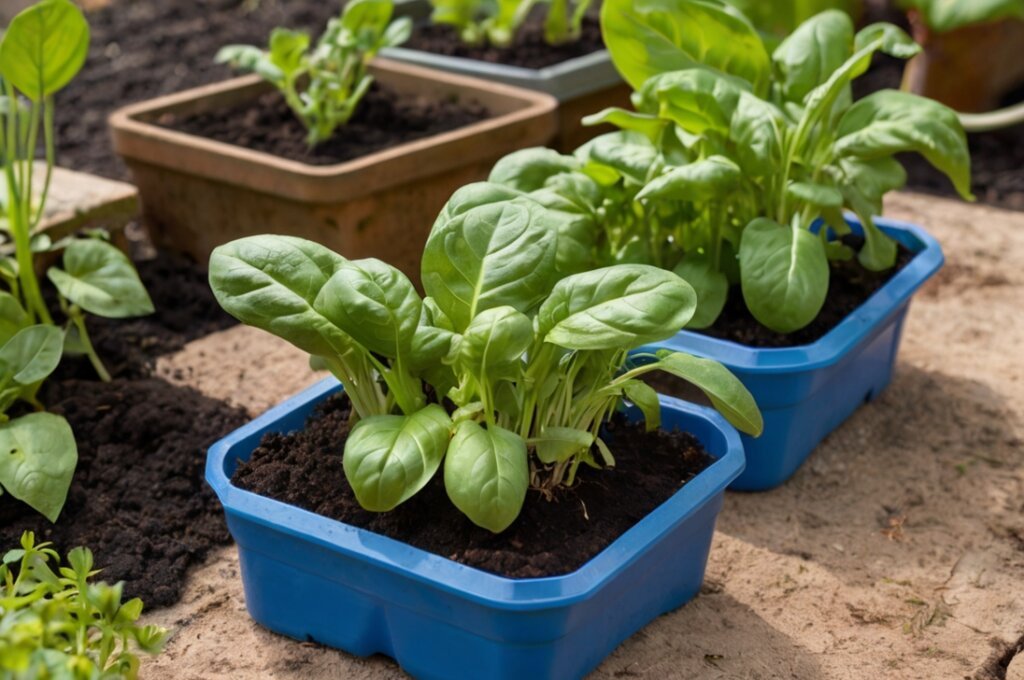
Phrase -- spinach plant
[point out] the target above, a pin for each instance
(41, 51)
(942, 16)
(55, 622)
(530, 363)
(498, 21)
(734, 155)
(324, 83)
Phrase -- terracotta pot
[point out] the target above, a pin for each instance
(969, 69)
(198, 193)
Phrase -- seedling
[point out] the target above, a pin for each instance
(533, 363)
(323, 84)
(498, 21)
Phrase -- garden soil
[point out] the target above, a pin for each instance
(896, 551)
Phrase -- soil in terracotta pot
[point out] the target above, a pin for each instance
(850, 285)
(528, 50)
(138, 499)
(549, 538)
(384, 119)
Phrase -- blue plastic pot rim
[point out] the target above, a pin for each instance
(439, 572)
(839, 341)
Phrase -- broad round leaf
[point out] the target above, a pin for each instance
(697, 100)
(815, 50)
(710, 285)
(618, 307)
(38, 456)
(494, 343)
(784, 274)
(701, 181)
(375, 304)
(388, 459)
(530, 169)
(726, 392)
(32, 354)
(101, 279)
(44, 47)
(486, 250)
(486, 474)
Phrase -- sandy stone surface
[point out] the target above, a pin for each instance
(897, 551)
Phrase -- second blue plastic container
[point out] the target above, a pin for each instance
(313, 578)
(806, 392)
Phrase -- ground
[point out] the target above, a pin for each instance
(896, 551)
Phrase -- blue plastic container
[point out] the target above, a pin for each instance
(313, 578)
(805, 392)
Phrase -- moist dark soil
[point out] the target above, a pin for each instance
(384, 119)
(142, 49)
(550, 537)
(139, 500)
(850, 285)
(528, 50)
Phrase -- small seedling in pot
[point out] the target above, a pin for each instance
(41, 51)
(324, 83)
(55, 622)
(497, 21)
(534, 363)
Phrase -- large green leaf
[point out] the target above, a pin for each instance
(493, 344)
(101, 279)
(32, 354)
(648, 37)
(486, 474)
(759, 130)
(628, 153)
(618, 307)
(725, 391)
(38, 456)
(889, 122)
(44, 47)
(712, 178)
(388, 459)
(784, 274)
(272, 282)
(375, 304)
(710, 285)
(487, 254)
(530, 169)
(697, 100)
(813, 52)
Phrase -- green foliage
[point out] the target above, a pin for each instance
(497, 21)
(56, 623)
(776, 19)
(533, 360)
(324, 83)
(948, 15)
(732, 157)
(41, 51)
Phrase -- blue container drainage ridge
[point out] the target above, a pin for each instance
(314, 578)
(806, 392)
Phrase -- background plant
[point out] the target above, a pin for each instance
(733, 154)
(532, 362)
(498, 21)
(942, 16)
(323, 84)
(56, 623)
(41, 51)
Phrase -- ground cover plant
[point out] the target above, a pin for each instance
(324, 83)
(734, 156)
(56, 622)
(41, 51)
(503, 374)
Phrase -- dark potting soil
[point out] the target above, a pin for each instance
(138, 499)
(384, 119)
(850, 285)
(140, 49)
(549, 538)
(528, 50)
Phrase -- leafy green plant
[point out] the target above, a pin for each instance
(532, 363)
(56, 623)
(323, 84)
(942, 16)
(41, 51)
(498, 21)
(776, 19)
(733, 156)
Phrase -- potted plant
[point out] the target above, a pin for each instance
(496, 396)
(734, 171)
(552, 47)
(322, 143)
(96, 277)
